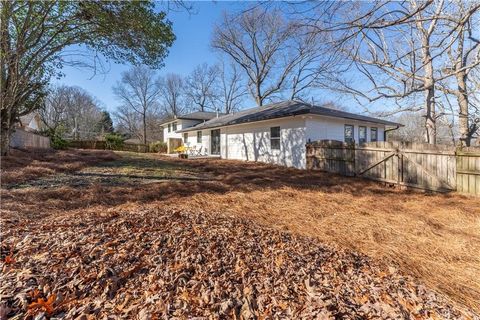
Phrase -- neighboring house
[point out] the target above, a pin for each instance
(277, 133)
(24, 135)
(30, 122)
(172, 125)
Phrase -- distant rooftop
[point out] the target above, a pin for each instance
(281, 110)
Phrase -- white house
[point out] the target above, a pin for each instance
(277, 133)
(172, 125)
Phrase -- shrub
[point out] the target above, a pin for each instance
(113, 141)
(57, 142)
(158, 146)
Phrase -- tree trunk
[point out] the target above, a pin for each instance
(429, 84)
(430, 118)
(462, 98)
(5, 140)
(144, 128)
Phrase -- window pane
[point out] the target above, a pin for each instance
(185, 137)
(275, 144)
(362, 134)
(169, 127)
(199, 136)
(348, 133)
(174, 126)
(373, 134)
(275, 132)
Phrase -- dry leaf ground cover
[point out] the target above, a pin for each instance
(151, 236)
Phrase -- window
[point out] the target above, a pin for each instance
(174, 126)
(199, 136)
(275, 138)
(373, 134)
(362, 134)
(349, 133)
(169, 127)
(185, 137)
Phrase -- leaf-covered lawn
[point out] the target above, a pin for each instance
(149, 237)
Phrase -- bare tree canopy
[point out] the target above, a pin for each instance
(232, 88)
(71, 112)
(256, 41)
(139, 93)
(172, 90)
(409, 53)
(201, 87)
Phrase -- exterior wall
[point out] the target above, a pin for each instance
(251, 142)
(181, 124)
(325, 128)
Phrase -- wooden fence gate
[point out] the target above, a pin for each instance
(429, 167)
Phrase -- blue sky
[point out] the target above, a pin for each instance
(192, 47)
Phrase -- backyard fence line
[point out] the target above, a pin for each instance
(102, 145)
(424, 166)
(26, 139)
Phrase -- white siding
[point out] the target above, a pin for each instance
(324, 128)
(181, 124)
(251, 142)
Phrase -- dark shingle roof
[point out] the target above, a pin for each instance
(198, 115)
(281, 110)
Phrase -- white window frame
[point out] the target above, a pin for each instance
(345, 132)
(360, 140)
(272, 138)
(374, 129)
(199, 136)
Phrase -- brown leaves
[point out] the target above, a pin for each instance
(42, 305)
(156, 262)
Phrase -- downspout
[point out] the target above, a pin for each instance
(388, 130)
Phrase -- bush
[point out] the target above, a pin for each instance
(58, 142)
(158, 146)
(113, 141)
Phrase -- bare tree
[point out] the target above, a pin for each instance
(463, 57)
(138, 91)
(256, 41)
(200, 86)
(232, 88)
(394, 48)
(71, 112)
(172, 92)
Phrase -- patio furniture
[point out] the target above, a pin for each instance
(198, 152)
(192, 150)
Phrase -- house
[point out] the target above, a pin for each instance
(172, 125)
(30, 122)
(277, 133)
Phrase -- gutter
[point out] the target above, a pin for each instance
(388, 130)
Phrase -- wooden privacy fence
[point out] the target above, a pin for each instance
(25, 139)
(102, 145)
(429, 167)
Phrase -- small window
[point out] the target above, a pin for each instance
(185, 137)
(174, 125)
(169, 127)
(199, 136)
(373, 134)
(275, 138)
(362, 134)
(349, 133)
